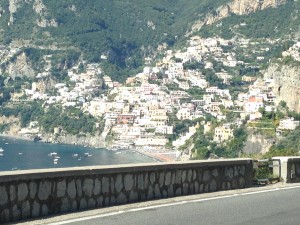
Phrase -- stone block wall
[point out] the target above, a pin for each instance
(37, 193)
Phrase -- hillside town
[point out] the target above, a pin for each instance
(140, 113)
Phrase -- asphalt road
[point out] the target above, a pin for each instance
(274, 207)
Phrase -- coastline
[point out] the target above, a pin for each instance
(20, 154)
(13, 136)
(155, 155)
(159, 156)
(88, 141)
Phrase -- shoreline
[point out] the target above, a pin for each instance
(92, 142)
(14, 136)
(160, 157)
(155, 156)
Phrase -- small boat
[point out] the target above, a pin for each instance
(20, 153)
(52, 154)
(87, 154)
(117, 153)
(55, 162)
(57, 157)
(1, 154)
(6, 143)
(75, 155)
(79, 159)
(1, 150)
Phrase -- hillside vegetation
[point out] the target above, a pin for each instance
(124, 31)
(279, 22)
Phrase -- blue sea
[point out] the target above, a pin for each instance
(23, 155)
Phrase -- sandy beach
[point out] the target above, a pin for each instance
(161, 156)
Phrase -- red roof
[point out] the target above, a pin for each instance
(255, 99)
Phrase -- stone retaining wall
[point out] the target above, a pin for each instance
(36, 193)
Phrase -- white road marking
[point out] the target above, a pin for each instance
(154, 207)
(167, 205)
(87, 218)
(214, 198)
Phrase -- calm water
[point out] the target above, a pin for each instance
(22, 155)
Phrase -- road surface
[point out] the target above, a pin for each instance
(279, 206)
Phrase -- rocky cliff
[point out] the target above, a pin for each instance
(257, 143)
(11, 125)
(88, 140)
(286, 84)
(238, 7)
(20, 67)
(39, 9)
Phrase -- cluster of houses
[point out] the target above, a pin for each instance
(260, 95)
(293, 51)
(83, 87)
(138, 112)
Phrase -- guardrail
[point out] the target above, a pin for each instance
(37, 193)
(289, 170)
(264, 171)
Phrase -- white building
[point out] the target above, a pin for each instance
(164, 130)
(212, 90)
(198, 82)
(223, 133)
(151, 142)
(183, 113)
(253, 104)
(288, 124)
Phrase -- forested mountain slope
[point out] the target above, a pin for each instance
(273, 22)
(115, 27)
(125, 31)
